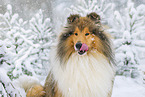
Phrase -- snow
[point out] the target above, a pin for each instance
(9, 7)
(127, 87)
(123, 86)
(7, 86)
(34, 38)
(25, 82)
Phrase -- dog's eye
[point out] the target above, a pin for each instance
(76, 34)
(86, 34)
(94, 31)
(70, 33)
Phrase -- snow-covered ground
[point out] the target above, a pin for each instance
(123, 87)
(127, 87)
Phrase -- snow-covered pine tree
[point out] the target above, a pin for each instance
(102, 7)
(10, 36)
(42, 36)
(5, 82)
(141, 50)
(29, 48)
(11, 28)
(14, 37)
(22, 51)
(7, 88)
(132, 25)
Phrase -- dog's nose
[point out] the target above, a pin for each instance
(78, 45)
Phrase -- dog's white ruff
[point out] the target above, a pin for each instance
(84, 76)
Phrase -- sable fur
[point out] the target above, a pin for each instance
(81, 23)
(83, 76)
(36, 91)
(65, 58)
(88, 75)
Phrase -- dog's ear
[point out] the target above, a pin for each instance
(73, 18)
(94, 17)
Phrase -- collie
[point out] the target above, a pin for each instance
(82, 63)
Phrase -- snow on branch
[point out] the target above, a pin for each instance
(128, 28)
(24, 48)
(101, 7)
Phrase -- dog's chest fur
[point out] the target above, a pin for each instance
(84, 76)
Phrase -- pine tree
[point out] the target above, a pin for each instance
(128, 40)
(10, 41)
(101, 7)
(10, 34)
(7, 88)
(24, 49)
(41, 36)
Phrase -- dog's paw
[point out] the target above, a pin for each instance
(36, 91)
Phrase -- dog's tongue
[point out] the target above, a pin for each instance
(84, 47)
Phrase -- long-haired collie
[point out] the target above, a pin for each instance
(82, 63)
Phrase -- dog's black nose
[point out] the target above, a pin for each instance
(78, 45)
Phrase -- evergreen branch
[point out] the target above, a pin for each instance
(5, 88)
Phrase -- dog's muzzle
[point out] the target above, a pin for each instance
(81, 48)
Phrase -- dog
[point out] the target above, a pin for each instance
(82, 63)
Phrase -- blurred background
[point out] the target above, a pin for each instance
(27, 8)
(28, 28)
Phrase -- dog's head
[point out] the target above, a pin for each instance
(83, 35)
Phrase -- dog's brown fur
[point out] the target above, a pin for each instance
(36, 91)
(80, 25)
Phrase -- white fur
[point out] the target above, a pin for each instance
(84, 76)
(26, 82)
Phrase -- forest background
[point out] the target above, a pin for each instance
(28, 28)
